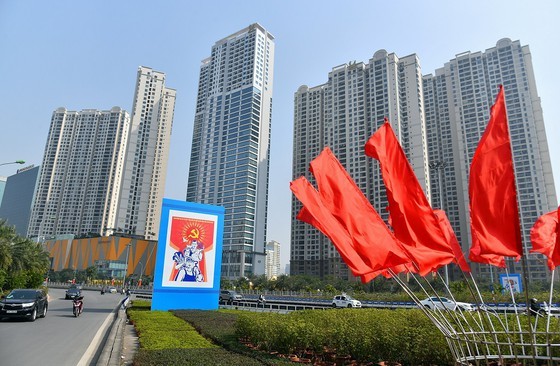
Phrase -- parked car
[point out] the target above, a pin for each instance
(73, 291)
(230, 296)
(435, 302)
(345, 301)
(24, 303)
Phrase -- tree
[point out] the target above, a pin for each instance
(91, 273)
(23, 263)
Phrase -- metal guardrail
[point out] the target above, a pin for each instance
(293, 303)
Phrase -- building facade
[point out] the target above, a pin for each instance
(229, 162)
(18, 198)
(272, 259)
(147, 153)
(110, 254)
(342, 114)
(439, 119)
(81, 173)
(458, 99)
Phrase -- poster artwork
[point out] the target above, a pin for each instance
(511, 283)
(190, 251)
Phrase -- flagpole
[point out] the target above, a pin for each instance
(439, 166)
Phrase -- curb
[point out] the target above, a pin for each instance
(111, 350)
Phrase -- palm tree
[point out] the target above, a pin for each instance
(23, 263)
(6, 239)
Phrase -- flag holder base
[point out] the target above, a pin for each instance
(488, 334)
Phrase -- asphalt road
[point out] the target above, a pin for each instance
(59, 338)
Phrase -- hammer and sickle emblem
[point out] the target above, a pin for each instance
(194, 234)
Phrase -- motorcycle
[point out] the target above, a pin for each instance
(77, 305)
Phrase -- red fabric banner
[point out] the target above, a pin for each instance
(452, 240)
(411, 216)
(545, 237)
(315, 213)
(495, 227)
(371, 238)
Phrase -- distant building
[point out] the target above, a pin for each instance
(342, 114)
(112, 255)
(439, 120)
(229, 162)
(458, 99)
(81, 174)
(147, 153)
(272, 259)
(104, 172)
(18, 197)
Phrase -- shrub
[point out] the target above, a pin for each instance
(368, 335)
(161, 330)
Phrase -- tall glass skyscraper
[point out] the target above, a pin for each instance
(231, 144)
(18, 197)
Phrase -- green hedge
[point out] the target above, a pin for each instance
(168, 340)
(161, 330)
(368, 335)
(220, 327)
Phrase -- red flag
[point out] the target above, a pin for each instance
(452, 240)
(315, 213)
(411, 216)
(493, 201)
(371, 238)
(545, 237)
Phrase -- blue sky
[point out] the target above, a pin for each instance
(80, 55)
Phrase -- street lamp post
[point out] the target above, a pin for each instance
(440, 166)
(14, 162)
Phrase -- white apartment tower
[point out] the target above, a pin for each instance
(458, 100)
(229, 163)
(342, 114)
(272, 259)
(81, 173)
(147, 152)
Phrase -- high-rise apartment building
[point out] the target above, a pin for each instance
(18, 197)
(439, 120)
(147, 152)
(81, 172)
(342, 114)
(458, 100)
(272, 259)
(229, 164)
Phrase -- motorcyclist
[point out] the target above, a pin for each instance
(534, 307)
(78, 301)
(261, 300)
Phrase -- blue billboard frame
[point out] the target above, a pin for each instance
(513, 281)
(193, 293)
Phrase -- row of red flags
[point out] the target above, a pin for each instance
(422, 239)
